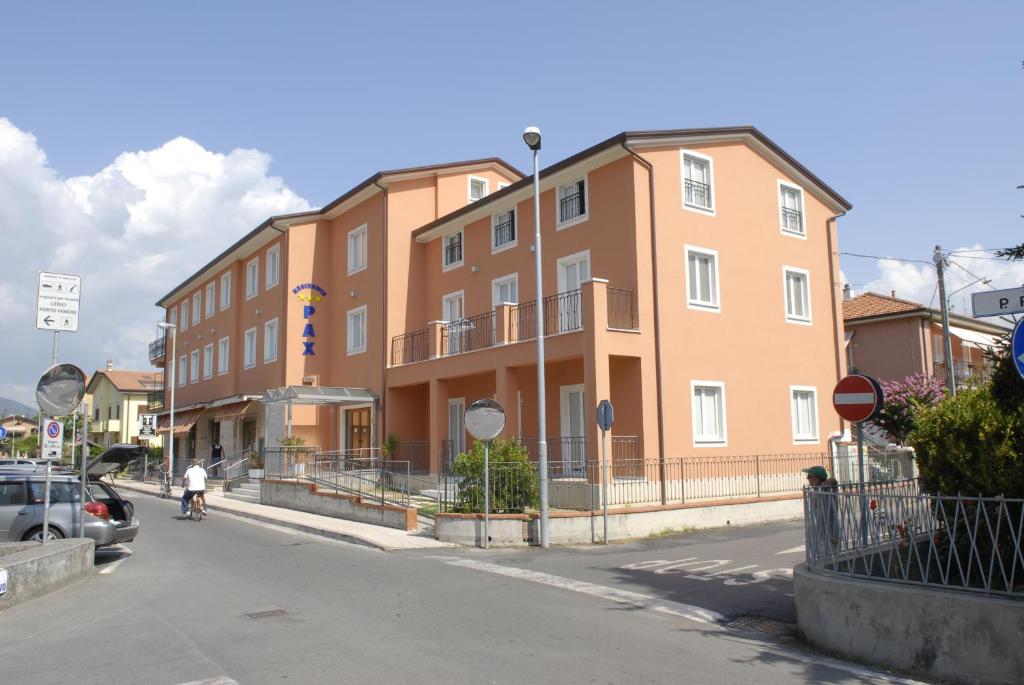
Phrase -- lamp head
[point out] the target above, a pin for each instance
(165, 325)
(531, 136)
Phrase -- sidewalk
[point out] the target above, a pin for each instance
(378, 537)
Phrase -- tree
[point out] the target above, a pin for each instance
(903, 400)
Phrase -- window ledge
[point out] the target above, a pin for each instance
(573, 221)
(506, 246)
(705, 211)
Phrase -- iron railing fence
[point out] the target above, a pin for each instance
(453, 251)
(416, 452)
(237, 469)
(158, 348)
(568, 449)
(563, 313)
(899, 534)
(371, 478)
(505, 230)
(410, 347)
(963, 371)
(288, 462)
(469, 334)
(513, 488)
(879, 465)
(792, 220)
(621, 309)
(572, 205)
(697, 194)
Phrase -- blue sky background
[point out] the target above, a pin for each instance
(911, 110)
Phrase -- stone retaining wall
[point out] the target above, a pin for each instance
(302, 496)
(34, 570)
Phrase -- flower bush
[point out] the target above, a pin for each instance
(903, 400)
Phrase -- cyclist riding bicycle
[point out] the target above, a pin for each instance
(194, 483)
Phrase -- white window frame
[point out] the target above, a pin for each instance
(810, 438)
(193, 367)
(500, 281)
(461, 294)
(559, 224)
(359, 312)
(248, 361)
(208, 361)
(172, 316)
(252, 285)
(691, 301)
(272, 276)
(802, 233)
(211, 299)
(223, 355)
(705, 442)
(267, 339)
(184, 314)
(495, 248)
(354, 234)
(706, 211)
(225, 290)
(182, 371)
(469, 187)
(444, 250)
(785, 295)
(197, 307)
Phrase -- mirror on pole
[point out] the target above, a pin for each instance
(60, 390)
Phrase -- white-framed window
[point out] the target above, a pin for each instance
(193, 369)
(477, 188)
(182, 370)
(225, 291)
(708, 400)
(273, 266)
(250, 348)
(804, 402)
(184, 314)
(211, 299)
(451, 250)
(172, 316)
(698, 182)
(252, 278)
(357, 249)
(197, 307)
(505, 289)
(798, 294)
(503, 230)
(357, 330)
(572, 203)
(270, 341)
(223, 355)
(938, 349)
(702, 279)
(452, 306)
(208, 361)
(791, 209)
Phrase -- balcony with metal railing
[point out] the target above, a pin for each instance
(453, 251)
(792, 220)
(504, 230)
(697, 194)
(963, 372)
(158, 349)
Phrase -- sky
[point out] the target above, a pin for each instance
(137, 140)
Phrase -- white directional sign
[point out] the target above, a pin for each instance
(57, 302)
(147, 425)
(998, 302)
(53, 439)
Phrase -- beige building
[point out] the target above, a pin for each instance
(116, 398)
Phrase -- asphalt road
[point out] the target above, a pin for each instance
(227, 600)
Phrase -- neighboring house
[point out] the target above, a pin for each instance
(19, 427)
(890, 339)
(115, 399)
(687, 278)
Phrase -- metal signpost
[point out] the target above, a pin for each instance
(1017, 347)
(485, 419)
(858, 398)
(605, 419)
(59, 392)
(997, 302)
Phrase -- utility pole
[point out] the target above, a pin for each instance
(947, 344)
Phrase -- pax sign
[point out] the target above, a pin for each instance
(309, 294)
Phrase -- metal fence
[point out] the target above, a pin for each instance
(410, 347)
(513, 487)
(563, 313)
(893, 532)
(359, 472)
(879, 465)
(468, 334)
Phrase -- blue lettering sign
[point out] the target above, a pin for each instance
(308, 331)
(307, 350)
(308, 311)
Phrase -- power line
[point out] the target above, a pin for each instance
(890, 259)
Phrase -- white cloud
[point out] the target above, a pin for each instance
(917, 282)
(133, 230)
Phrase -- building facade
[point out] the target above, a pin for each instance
(689, 277)
(116, 398)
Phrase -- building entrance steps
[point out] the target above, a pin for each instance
(245, 492)
(378, 537)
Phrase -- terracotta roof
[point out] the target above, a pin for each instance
(130, 381)
(873, 304)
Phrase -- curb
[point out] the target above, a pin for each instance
(301, 527)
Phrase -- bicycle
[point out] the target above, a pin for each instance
(165, 486)
(197, 506)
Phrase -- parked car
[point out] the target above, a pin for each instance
(17, 462)
(108, 518)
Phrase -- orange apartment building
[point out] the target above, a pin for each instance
(689, 277)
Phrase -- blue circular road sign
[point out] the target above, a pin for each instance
(3, 432)
(1017, 348)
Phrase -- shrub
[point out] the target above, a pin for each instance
(514, 483)
(903, 400)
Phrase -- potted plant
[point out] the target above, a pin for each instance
(293, 466)
(255, 467)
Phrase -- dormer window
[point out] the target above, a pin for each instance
(477, 188)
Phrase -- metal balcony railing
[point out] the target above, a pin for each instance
(697, 194)
(466, 335)
(453, 252)
(505, 230)
(792, 220)
(158, 348)
(572, 205)
(410, 347)
(563, 313)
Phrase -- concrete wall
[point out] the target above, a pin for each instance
(305, 497)
(504, 530)
(956, 635)
(34, 570)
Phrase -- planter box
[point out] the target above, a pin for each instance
(255, 474)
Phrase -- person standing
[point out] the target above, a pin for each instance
(216, 457)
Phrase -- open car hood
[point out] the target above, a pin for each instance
(113, 459)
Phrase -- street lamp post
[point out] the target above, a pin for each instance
(532, 138)
(169, 478)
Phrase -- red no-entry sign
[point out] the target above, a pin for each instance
(857, 398)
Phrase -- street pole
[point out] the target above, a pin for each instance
(74, 437)
(863, 496)
(604, 480)
(542, 441)
(947, 343)
(85, 464)
(487, 493)
(46, 462)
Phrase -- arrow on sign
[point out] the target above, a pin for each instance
(48, 321)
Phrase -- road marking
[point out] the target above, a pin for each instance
(636, 599)
(112, 566)
(222, 680)
(793, 550)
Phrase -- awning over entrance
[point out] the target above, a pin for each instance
(183, 422)
(232, 411)
(847, 337)
(307, 394)
(973, 337)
